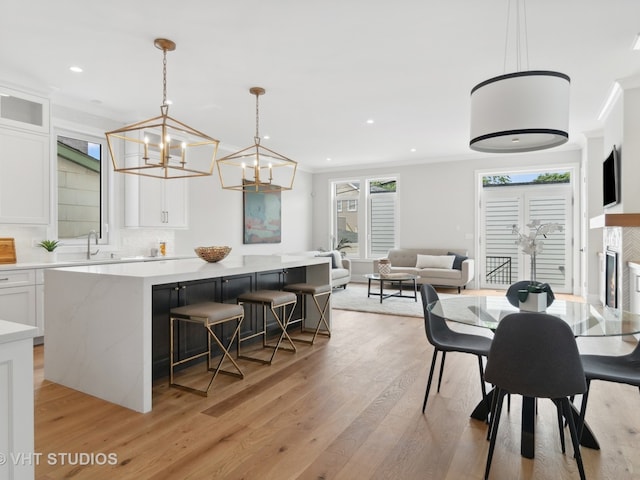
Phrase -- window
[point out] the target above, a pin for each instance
(81, 190)
(377, 219)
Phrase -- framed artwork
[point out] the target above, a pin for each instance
(262, 216)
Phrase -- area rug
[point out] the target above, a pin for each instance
(354, 297)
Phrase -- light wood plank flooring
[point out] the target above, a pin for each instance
(345, 408)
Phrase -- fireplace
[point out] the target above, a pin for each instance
(611, 279)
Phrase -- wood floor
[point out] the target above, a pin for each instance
(348, 408)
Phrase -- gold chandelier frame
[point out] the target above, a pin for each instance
(162, 146)
(256, 168)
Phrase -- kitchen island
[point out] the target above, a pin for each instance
(99, 338)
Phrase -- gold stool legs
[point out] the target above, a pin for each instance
(210, 334)
(282, 320)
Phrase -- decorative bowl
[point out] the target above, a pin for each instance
(212, 254)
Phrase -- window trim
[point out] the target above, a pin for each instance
(72, 130)
(364, 241)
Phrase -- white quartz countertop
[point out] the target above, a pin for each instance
(11, 331)
(196, 268)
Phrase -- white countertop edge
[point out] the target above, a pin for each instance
(11, 331)
(83, 262)
(194, 269)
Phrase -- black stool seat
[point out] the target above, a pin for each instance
(272, 299)
(207, 314)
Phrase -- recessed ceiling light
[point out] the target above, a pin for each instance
(413, 149)
(266, 137)
(75, 69)
(370, 121)
(328, 159)
(636, 43)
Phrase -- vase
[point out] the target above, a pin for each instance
(534, 302)
(384, 267)
(51, 257)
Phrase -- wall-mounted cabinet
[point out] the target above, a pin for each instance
(154, 202)
(24, 158)
(24, 111)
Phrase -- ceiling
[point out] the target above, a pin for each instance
(327, 67)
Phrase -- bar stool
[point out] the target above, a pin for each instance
(316, 291)
(207, 314)
(273, 299)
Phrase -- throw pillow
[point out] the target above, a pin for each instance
(337, 259)
(435, 261)
(457, 262)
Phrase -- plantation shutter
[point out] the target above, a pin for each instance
(382, 223)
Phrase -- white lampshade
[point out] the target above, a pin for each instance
(520, 112)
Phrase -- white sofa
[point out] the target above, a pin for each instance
(432, 265)
(340, 266)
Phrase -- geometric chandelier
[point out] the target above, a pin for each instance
(162, 146)
(256, 168)
(522, 111)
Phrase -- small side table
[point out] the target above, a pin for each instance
(392, 279)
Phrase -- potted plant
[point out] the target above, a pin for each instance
(535, 298)
(50, 246)
(531, 244)
(342, 244)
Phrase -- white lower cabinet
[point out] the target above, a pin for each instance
(18, 296)
(16, 401)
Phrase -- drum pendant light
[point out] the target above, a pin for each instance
(522, 111)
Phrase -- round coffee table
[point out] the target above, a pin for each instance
(392, 279)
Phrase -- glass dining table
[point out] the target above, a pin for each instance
(585, 320)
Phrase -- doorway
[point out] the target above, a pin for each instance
(522, 200)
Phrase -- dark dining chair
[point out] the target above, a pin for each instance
(512, 292)
(535, 355)
(446, 340)
(609, 368)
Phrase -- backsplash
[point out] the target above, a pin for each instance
(126, 242)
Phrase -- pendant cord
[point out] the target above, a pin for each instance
(521, 36)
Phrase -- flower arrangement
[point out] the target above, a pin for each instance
(49, 245)
(531, 244)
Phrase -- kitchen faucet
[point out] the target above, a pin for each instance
(89, 253)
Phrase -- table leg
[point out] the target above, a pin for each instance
(369, 289)
(415, 290)
(381, 289)
(527, 435)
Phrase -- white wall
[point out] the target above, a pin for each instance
(216, 218)
(437, 201)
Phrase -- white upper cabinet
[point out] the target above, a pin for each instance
(24, 158)
(24, 111)
(154, 202)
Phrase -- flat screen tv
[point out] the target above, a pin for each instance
(611, 179)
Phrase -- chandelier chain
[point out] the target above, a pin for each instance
(164, 76)
(257, 136)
